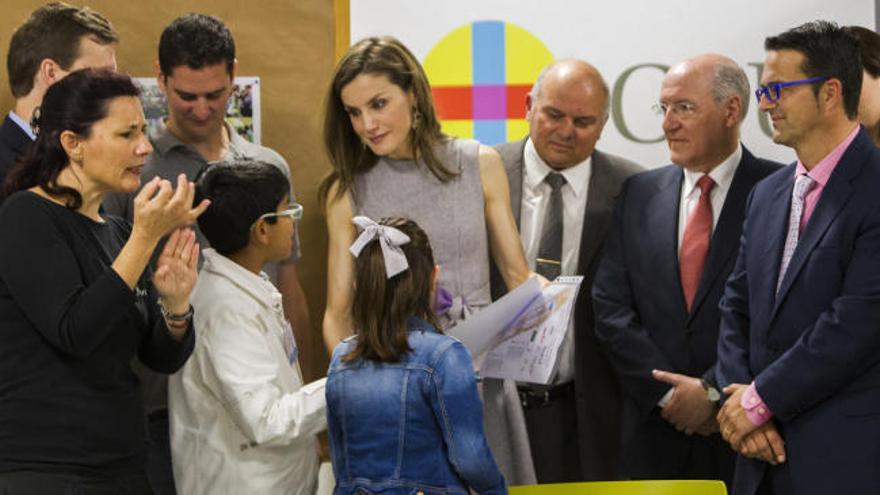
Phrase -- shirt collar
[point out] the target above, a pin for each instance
(722, 174)
(822, 171)
(25, 126)
(163, 140)
(537, 170)
(258, 286)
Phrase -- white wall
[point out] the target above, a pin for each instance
(615, 36)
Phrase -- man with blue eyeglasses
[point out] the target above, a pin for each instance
(673, 242)
(799, 345)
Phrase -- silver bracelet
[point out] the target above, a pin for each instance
(169, 316)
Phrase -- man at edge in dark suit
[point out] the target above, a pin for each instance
(799, 348)
(55, 40)
(673, 242)
(572, 423)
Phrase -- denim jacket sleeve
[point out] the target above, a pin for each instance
(459, 411)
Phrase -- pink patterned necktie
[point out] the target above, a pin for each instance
(802, 185)
(695, 241)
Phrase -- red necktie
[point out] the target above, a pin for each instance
(695, 242)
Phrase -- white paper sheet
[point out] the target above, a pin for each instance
(494, 323)
(522, 331)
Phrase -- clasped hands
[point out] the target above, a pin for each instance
(758, 442)
(688, 409)
(690, 412)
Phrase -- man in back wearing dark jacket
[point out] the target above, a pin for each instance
(54, 41)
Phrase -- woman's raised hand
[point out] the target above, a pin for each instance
(159, 208)
(175, 274)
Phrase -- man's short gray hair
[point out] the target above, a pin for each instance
(535, 93)
(730, 80)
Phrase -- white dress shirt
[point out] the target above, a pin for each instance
(25, 126)
(533, 209)
(241, 419)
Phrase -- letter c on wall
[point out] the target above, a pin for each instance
(617, 103)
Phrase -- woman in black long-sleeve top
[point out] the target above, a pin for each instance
(77, 301)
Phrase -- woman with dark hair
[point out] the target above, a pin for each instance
(390, 159)
(869, 101)
(77, 301)
(403, 412)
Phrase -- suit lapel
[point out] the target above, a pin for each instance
(835, 195)
(514, 180)
(772, 225)
(601, 194)
(661, 229)
(14, 136)
(726, 236)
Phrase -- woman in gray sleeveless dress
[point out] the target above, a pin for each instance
(390, 158)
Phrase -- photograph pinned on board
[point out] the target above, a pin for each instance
(242, 108)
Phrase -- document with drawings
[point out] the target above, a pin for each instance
(518, 336)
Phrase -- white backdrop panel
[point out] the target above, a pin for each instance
(617, 35)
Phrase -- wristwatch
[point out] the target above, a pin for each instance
(712, 393)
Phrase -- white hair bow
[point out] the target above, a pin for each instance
(390, 240)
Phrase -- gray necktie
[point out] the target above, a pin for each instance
(549, 261)
(802, 186)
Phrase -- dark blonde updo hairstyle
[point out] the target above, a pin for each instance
(348, 155)
(381, 306)
(869, 47)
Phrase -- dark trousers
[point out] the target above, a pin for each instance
(777, 481)
(31, 483)
(159, 469)
(551, 421)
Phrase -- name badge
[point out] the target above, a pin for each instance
(289, 343)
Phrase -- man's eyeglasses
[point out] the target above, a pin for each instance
(294, 211)
(681, 109)
(773, 90)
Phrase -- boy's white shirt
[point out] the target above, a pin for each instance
(241, 419)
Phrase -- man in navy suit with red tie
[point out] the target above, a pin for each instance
(799, 345)
(673, 242)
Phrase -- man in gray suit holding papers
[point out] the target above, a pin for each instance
(562, 192)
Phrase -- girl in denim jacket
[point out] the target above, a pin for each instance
(403, 412)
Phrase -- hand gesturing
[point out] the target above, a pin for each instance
(175, 274)
(159, 208)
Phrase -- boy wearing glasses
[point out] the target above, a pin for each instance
(241, 419)
(196, 70)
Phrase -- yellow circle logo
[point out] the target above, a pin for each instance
(480, 74)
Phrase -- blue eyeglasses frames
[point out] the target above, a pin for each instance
(773, 90)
